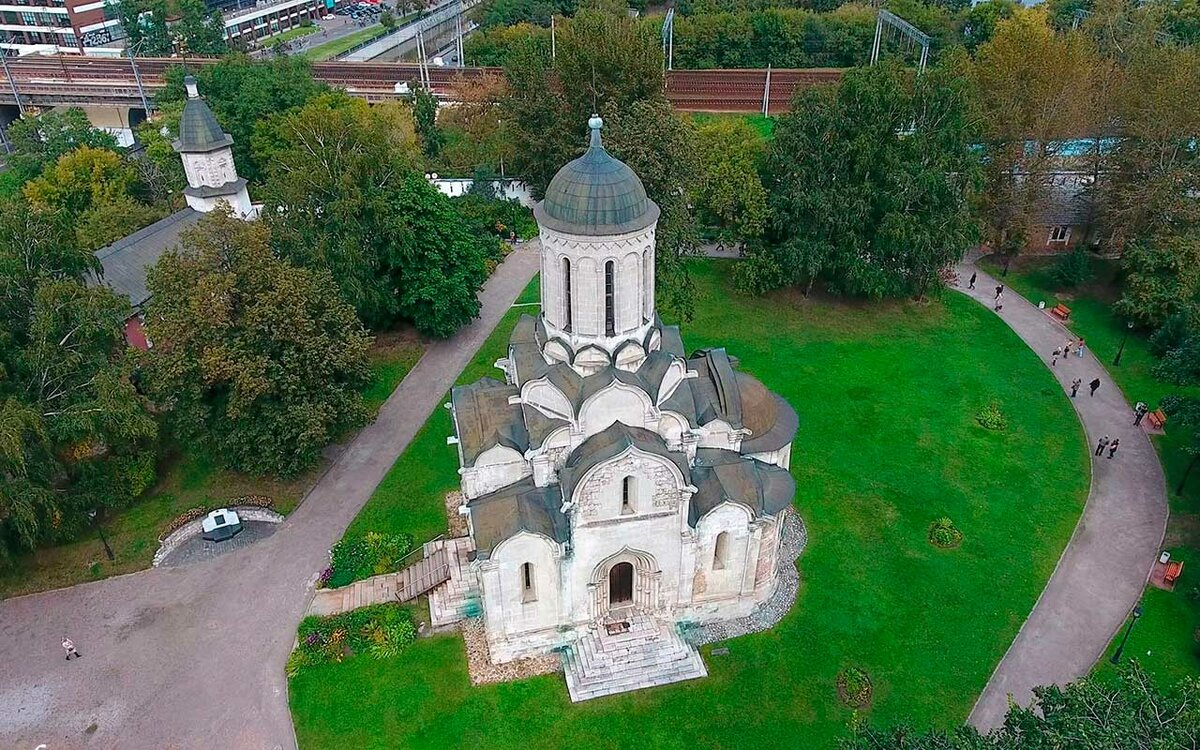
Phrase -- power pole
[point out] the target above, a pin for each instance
(11, 81)
(552, 45)
(766, 110)
(137, 76)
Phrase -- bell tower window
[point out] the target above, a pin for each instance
(628, 496)
(528, 593)
(566, 271)
(721, 551)
(610, 323)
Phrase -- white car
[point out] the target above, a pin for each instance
(220, 525)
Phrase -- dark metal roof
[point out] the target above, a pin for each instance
(716, 390)
(126, 261)
(520, 506)
(199, 130)
(484, 418)
(720, 476)
(770, 418)
(596, 194)
(612, 442)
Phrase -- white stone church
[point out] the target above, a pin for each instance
(616, 486)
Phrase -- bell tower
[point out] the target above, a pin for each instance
(207, 154)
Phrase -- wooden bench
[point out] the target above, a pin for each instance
(1062, 312)
(1157, 419)
(1172, 573)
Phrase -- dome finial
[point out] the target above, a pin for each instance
(595, 123)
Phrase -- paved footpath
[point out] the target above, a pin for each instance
(193, 657)
(1103, 570)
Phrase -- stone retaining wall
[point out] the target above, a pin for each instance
(171, 542)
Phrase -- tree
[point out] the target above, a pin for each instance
(1095, 712)
(729, 194)
(243, 93)
(978, 24)
(606, 61)
(80, 180)
(74, 434)
(260, 362)
(159, 168)
(869, 184)
(104, 223)
(145, 25)
(345, 197)
(1024, 66)
(1162, 278)
(387, 20)
(200, 30)
(40, 141)
(543, 140)
(425, 108)
(475, 134)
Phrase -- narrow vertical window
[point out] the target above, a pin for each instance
(528, 594)
(721, 551)
(628, 496)
(566, 271)
(647, 285)
(610, 323)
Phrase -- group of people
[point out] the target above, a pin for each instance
(1064, 351)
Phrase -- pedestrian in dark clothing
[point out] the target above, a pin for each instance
(1100, 446)
(999, 303)
(1075, 387)
(69, 646)
(971, 283)
(999, 291)
(1095, 386)
(1112, 447)
(1139, 412)
(1054, 357)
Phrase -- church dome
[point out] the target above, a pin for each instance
(199, 130)
(596, 195)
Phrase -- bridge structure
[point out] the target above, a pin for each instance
(76, 80)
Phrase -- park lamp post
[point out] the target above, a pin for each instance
(1116, 657)
(1121, 350)
(100, 529)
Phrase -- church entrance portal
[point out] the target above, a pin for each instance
(620, 585)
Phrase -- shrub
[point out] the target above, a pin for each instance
(943, 533)
(369, 555)
(990, 417)
(1073, 269)
(1171, 334)
(854, 687)
(380, 630)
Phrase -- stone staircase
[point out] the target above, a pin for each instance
(448, 603)
(650, 653)
(427, 572)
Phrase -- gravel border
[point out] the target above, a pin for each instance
(484, 672)
(766, 615)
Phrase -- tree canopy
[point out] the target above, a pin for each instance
(196, 29)
(260, 362)
(869, 184)
(345, 196)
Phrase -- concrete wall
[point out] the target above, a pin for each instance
(506, 189)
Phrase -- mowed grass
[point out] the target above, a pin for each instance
(888, 442)
(187, 480)
(1164, 640)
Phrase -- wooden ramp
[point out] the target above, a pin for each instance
(426, 573)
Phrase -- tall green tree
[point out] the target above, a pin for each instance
(242, 93)
(145, 25)
(1095, 712)
(40, 141)
(200, 29)
(262, 362)
(869, 183)
(345, 196)
(75, 436)
(729, 194)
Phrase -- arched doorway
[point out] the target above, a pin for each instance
(620, 585)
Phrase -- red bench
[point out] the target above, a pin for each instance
(1157, 419)
(1062, 312)
(1172, 573)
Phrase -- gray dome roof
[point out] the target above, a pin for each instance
(596, 194)
(199, 130)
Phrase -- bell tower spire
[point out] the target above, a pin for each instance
(207, 154)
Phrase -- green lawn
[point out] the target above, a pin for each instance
(1164, 639)
(764, 125)
(332, 49)
(187, 481)
(888, 443)
(287, 36)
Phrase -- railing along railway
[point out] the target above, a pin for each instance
(89, 80)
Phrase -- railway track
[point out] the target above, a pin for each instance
(104, 80)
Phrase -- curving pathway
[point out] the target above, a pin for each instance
(1102, 572)
(193, 657)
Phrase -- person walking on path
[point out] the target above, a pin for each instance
(1067, 349)
(1079, 351)
(971, 283)
(1095, 386)
(999, 291)
(1075, 387)
(1054, 357)
(1100, 446)
(999, 302)
(1112, 447)
(69, 646)
(1139, 411)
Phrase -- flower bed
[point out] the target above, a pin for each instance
(371, 554)
(380, 630)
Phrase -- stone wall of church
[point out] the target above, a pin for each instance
(725, 551)
(632, 258)
(212, 170)
(518, 601)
